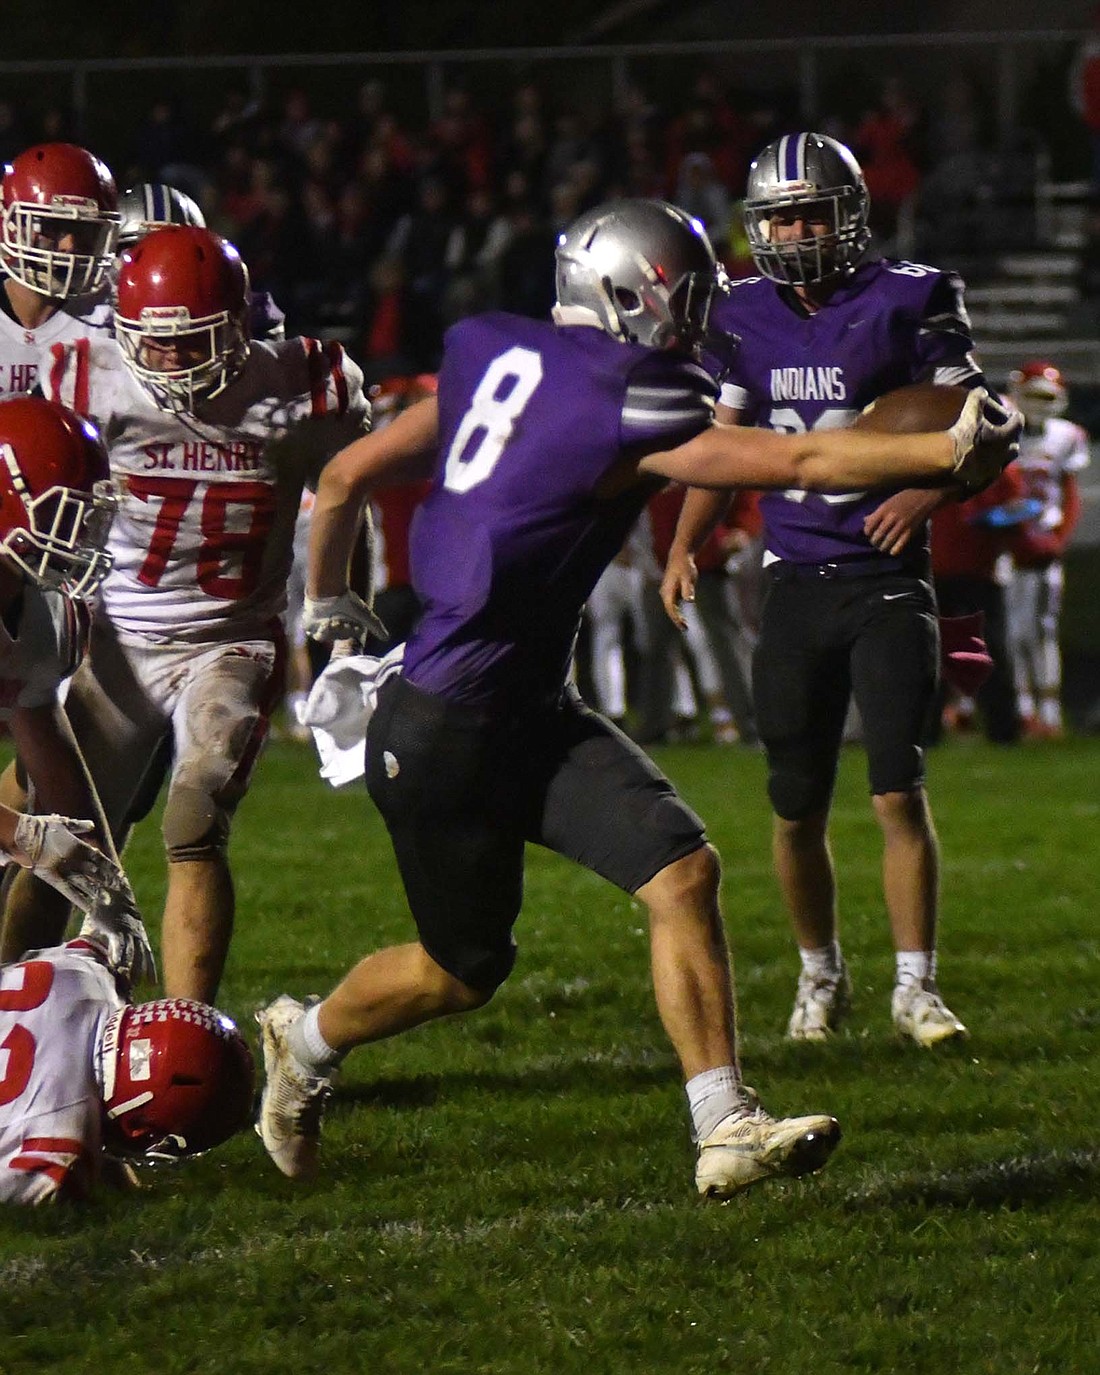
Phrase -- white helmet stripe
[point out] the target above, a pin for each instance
(137, 1102)
(781, 158)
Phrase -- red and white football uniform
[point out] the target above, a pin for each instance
(26, 354)
(187, 637)
(53, 1008)
(1051, 456)
(203, 539)
(619, 596)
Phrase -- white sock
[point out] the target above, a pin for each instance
(913, 966)
(712, 1096)
(823, 963)
(309, 1047)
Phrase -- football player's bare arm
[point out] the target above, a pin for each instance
(56, 768)
(8, 822)
(703, 509)
(403, 452)
(701, 512)
(890, 526)
(834, 460)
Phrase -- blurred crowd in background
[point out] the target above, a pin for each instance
(380, 228)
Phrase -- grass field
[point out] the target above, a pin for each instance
(513, 1193)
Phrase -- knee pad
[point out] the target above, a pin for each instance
(478, 968)
(798, 790)
(195, 826)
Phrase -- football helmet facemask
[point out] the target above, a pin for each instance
(56, 498)
(149, 206)
(59, 223)
(181, 315)
(176, 1077)
(642, 270)
(1038, 391)
(807, 175)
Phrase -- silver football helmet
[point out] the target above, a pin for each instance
(642, 270)
(795, 173)
(150, 204)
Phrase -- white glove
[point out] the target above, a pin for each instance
(985, 437)
(50, 846)
(346, 617)
(115, 924)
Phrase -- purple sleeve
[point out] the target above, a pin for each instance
(668, 400)
(945, 347)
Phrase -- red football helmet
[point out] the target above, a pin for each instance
(177, 1079)
(56, 497)
(1038, 390)
(181, 314)
(60, 220)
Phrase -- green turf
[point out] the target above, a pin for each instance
(512, 1193)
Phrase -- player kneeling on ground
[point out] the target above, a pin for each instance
(90, 1078)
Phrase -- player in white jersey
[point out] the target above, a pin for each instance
(56, 505)
(210, 438)
(86, 1077)
(58, 233)
(1053, 451)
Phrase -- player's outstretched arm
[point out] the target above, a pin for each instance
(56, 768)
(841, 460)
(402, 452)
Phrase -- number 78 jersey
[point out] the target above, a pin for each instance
(204, 537)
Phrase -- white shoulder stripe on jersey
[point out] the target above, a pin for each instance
(945, 317)
(955, 376)
(733, 396)
(639, 394)
(663, 419)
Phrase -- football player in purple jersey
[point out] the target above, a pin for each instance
(542, 446)
(825, 329)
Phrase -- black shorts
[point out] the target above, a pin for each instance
(824, 641)
(461, 792)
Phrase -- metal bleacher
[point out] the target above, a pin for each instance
(1029, 303)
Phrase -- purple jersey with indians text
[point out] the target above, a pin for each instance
(512, 537)
(890, 324)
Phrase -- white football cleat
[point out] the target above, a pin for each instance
(820, 1005)
(750, 1146)
(921, 1014)
(293, 1100)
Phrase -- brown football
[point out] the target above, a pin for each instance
(914, 409)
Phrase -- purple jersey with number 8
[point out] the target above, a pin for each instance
(533, 418)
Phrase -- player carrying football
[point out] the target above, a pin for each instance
(542, 447)
(849, 612)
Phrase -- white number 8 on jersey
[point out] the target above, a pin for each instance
(495, 416)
